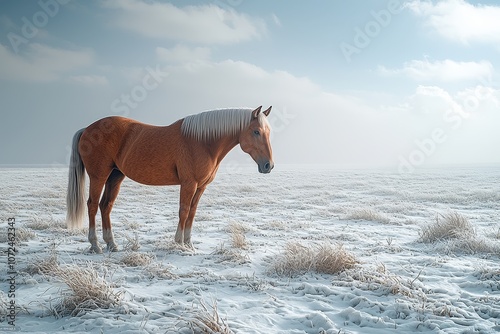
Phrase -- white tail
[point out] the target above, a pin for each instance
(75, 198)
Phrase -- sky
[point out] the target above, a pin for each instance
(396, 84)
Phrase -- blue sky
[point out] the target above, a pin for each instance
(399, 84)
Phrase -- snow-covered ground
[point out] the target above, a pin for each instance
(245, 222)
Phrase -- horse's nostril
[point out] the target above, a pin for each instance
(267, 166)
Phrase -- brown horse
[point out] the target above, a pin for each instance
(186, 153)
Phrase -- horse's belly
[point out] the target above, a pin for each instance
(152, 175)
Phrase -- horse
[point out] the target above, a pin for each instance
(187, 152)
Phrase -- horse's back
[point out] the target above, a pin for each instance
(104, 136)
(145, 153)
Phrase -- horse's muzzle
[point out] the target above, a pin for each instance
(266, 167)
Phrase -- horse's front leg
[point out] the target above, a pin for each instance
(190, 219)
(187, 194)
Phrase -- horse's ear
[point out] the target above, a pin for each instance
(267, 111)
(256, 112)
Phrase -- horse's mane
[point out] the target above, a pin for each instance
(214, 124)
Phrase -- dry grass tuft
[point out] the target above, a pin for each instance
(486, 273)
(496, 233)
(298, 259)
(277, 225)
(4, 306)
(22, 234)
(25, 234)
(132, 243)
(451, 226)
(135, 259)
(239, 241)
(45, 266)
(237, 231)
(454, 233)
(131, 225)
(207, 320)
(86, 291)
(159, 271)
(369, 215)
(230, 255)
(470, 246)
(167, 244)
(40, 224)
(331, 259)
(379, 279)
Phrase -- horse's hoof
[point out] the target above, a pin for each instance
(185, 247)
(188, 247)
(112, 248)
(95, 249)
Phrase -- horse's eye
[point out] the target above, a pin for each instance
(256, 132)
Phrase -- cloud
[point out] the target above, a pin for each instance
(310, 125)
(460, 21)
(435, 100)
(442, 71)
(468, 102)
(182, 54)
(479, 99)
(41, 63)
(205, 24)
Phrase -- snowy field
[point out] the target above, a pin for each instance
(301, 250)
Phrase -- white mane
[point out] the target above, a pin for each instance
(216, 123)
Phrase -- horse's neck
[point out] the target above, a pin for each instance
(221, 147)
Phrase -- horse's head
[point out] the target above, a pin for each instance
(254, 140)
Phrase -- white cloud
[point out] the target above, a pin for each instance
(469, 102)
(442, 71)
(310, 125)
(41, 63)
(435, 100)
(450, 127)
(206, 24)
(182, 54)
(429, 99)
(459, 20)
(479, 99)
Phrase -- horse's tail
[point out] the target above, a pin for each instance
(75, 198)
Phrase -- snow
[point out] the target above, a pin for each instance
(400, 285)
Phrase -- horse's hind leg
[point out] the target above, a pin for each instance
(96, 185)
(106, 205)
